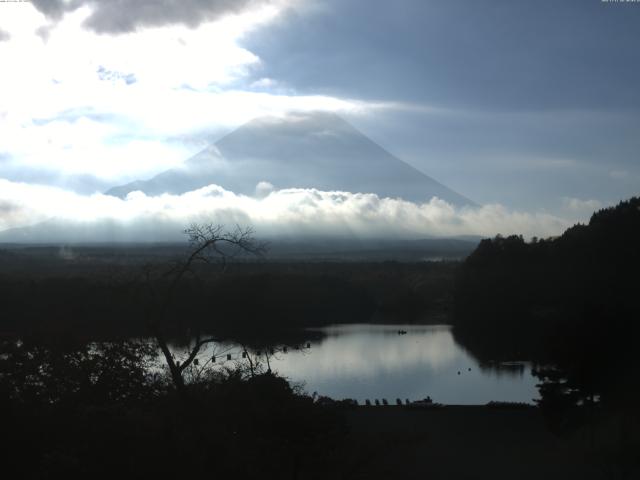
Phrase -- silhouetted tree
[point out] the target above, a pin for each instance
(209, 243)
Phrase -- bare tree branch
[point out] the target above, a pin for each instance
(195, 351)
(207, 242)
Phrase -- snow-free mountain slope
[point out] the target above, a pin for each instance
(311, 150)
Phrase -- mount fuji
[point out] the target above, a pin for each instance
(304, 150)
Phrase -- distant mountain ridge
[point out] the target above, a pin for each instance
(311, 150)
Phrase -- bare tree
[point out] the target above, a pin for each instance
(208, 243)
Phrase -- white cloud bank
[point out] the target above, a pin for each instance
(65, 216)
(580, 206)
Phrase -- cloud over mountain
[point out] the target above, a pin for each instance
(62, 216)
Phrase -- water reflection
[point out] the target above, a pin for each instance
(375, 361)
(369, 351)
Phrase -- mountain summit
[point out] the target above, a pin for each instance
(305, 150)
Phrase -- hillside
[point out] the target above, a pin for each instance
(569, 301)
(315, 150)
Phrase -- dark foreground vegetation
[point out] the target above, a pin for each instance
(569, 304)
(79, 397)
(106, 410)
(78, 411)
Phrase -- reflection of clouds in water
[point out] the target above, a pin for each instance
(373, 361)
(367, 351)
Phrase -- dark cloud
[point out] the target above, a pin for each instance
(539, 99)
(522, 159)
(465, 53)
(4, 36)
(123, 16)
(535, 100)
(55, 9)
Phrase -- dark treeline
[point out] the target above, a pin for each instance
(86, 298)
(569, 302)
(75, 410)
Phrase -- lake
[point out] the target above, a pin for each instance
(375, 362)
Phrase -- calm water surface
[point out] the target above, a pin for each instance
(374, 361)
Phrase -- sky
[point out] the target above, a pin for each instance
(531, 109)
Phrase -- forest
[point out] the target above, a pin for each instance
(100, 299)
(567, 303)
